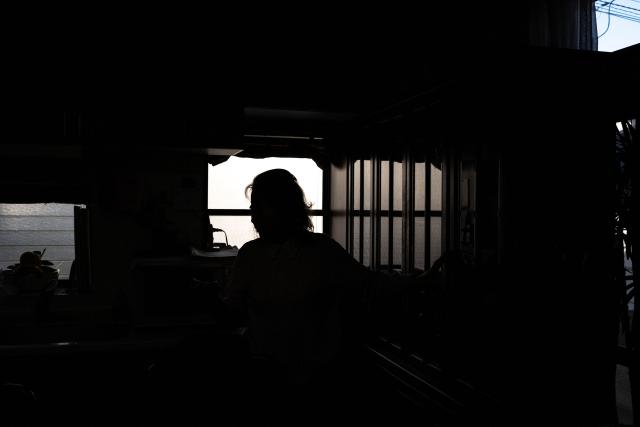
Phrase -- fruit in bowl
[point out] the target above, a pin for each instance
(31, 274)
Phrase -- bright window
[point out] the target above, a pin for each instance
(44, 227)
(618, 24)
(228, 206)
(377, 238)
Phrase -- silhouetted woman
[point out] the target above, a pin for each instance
(291, 283)
(301, 294)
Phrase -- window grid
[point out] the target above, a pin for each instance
(356, 228)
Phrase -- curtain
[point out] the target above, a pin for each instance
(563, 24)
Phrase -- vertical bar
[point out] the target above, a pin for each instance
(473, 197)
(361, 225)
(450, 214)
(206, 234)
(82, 243)
(350, 203)
(326, 200)
(391, 173)
(408, 201)
(474, 192)
(632, 231)
(444, 222)
(206, 220)
(375, 212)
(455, 207)
(427, 211)
(499, 242)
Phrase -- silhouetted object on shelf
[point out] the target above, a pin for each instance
(214, 244)
(32, 277)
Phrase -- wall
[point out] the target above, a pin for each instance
(145, 205)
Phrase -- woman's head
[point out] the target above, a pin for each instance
(278, 204)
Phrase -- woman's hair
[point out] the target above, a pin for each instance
(280, 190)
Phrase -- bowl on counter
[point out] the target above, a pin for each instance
(17, 279)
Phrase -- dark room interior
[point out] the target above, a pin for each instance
(477, 154)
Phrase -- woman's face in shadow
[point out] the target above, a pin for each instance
(264, 217)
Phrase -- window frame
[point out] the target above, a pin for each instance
(81, 261)
(406, 211)
(323, 213)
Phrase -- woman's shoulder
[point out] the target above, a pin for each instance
(320, 239)
(250, 247)
(323, 242)
(309, 240)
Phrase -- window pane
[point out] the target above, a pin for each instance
(366, 236)
(60, 256)
(397, 241)
(240, 230)
(436, 238)
(317, 224)
(36, 209)
(436, 189)
(397, 186)
(228, 180)
(356, 238)
(356, 185)
(384, 185)
(420, 182)
(419, 246)
(40, 227)
(50, 223)
(26, 237)
(367, 185)
(384, 242)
